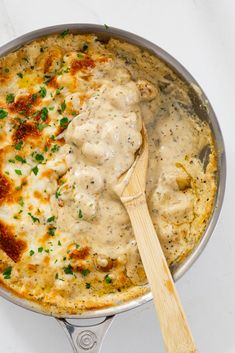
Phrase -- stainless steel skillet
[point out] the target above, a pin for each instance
(89, 338)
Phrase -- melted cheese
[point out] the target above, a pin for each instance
(70, 121)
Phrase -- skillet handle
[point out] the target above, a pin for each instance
(86, 338)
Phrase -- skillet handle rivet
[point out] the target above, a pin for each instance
(86, 340)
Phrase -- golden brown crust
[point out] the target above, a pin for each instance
(9, 244)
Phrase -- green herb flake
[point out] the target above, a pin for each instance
(19, 145)
(68, 270)
(47, 251)
(40, 250)
(31, 253)
(51, 219)
(40, 127)
(108, 279)
(39, 157)
(55, 148)
(11, 161)
(58, 91)
(64, 122)
(18, 171)
(85, 272)
(88, 285)
(51, 231)
(57, 194)
(43, 92)
(3, 113)
(21, 201)
(77, 246)
(20, 159)
(85, 47)
(59, 243)
(35, 170)
(7, 272)
(19, 74)
(44, 113)
(10, 98)
(34, 97)
(80, 214)
(64, 33)
(34, 219)
(63, 106)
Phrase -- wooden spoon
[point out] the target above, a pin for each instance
(131, 189)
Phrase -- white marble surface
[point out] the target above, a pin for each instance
(200, 34)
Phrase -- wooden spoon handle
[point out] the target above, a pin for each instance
(175, 330)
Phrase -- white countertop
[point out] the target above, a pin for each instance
(201, 35)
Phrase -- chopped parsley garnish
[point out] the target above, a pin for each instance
(51, 219)
(40, 249)
(11, 161)
(21, 201)
(64, 122)
(55, 148)
(43, 92)
(34, 97)
(57, 194)
(59, 243)
(44, 113)
(51, 231)
(88, 285)
(85, 272)
(6, 69)
(3, 113)
(108, 279)
(40, 127)
(62, 106)
(31, 253)
(68, 270)
(7, 272)
(10, 98)
(77, 246)
(19, 74)
(80, 214)
(58, 90)
(64, 33)
(20, 159)
(35, 170)
(34, 219)
(19, 145)
(39, 157)
(18, 171)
